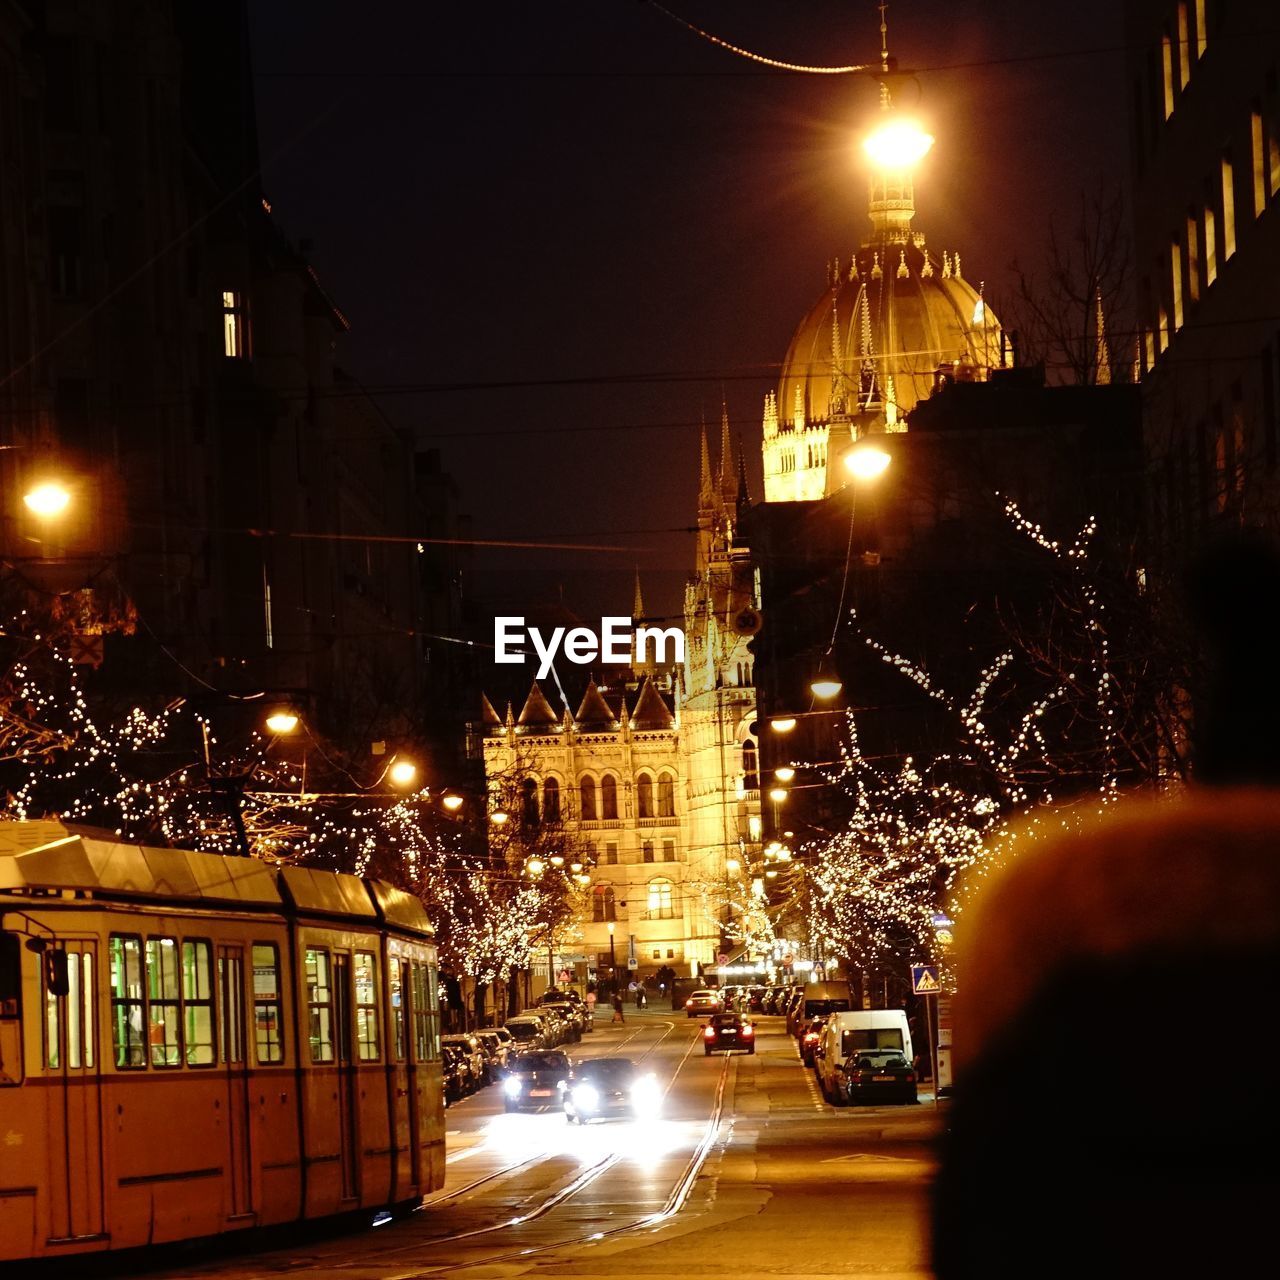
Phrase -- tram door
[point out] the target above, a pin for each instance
(347, 1129)
(233, 1061)
(75, 1107)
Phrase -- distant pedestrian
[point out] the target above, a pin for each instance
(591, 1003)
(641, 999)
(617, 1008)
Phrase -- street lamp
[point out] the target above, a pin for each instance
(866, 462)
(613, 959)
(47, 500)
(782, 724)
(499, 817)
(778, 794)
(451, 801)
(402, 773)
(897, 143)
(784, 773)
(826, 683)
(282, 721)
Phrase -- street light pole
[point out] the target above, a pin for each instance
(613, 959)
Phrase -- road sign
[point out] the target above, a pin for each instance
(86, 650)
(924, 980)
(722, 958)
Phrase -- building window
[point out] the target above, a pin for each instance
(671, 953)
(609, 798)
(529, 802)
(610, 854)
(1166, 74)
(1258, 156)
(1202, 33)
(666, 796)
(661, 900)
(587, 799)
(1193, 256)
(1184, 47)
(551, 800)
(668, 851)
(235, 326)
(644, 796)
(646, 851)
(1228, 207)
(750, 766)
(603, 907)
(1175, 283)
(1210, 243)
(268, 1021)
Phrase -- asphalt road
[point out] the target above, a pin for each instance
(747, 1174)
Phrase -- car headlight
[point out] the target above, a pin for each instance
(646, 1096)
(585, 1098)
(511, 1086)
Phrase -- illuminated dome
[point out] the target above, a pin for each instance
(892, 321)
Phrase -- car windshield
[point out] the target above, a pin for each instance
(542, 1062)
(523, 1030)
(871, 1039)
(607, 1069)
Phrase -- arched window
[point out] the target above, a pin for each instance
(609, 797)
(551, 800)
(603, 908)
(587, 799)
(662, 904)
(666, 796)
(529, 802)
(644, 796)
(750, 766)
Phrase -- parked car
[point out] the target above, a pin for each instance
(505, 1038)
(455, 1072)
(602, 1087)
(810, 1035)
(477, 1061)
(856, 1034)
(528, 1031)
(878, 1075)
(495, 1052)
(755, 999)
(728, 1031)
(535, 1079)
(773, 998)
(703, 1002)
(568, 1015)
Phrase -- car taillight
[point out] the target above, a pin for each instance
(710, 1033)
(748, 1031)
(910, 1078)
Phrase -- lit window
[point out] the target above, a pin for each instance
(235, 326)
(366, 984)
(1210, 245)
(197, 1003)
(1202, 33)
(1184, 47)
(163, 1002)
(1258, 155)
(661, 900)
(1228, 207)
(1193, 257)
(268, 1020)
(320, 1004)
(1166, 82)
(1175, 281)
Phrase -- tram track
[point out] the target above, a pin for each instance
(676, 1199)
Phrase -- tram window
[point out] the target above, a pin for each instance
(366, 977)
(433, 996)
(197, 1002)
(163, 1005)
(320, 1003)
(125, 957)
(268, 1032)
(52, 1026)
(399, 1005)
(87, 1036)
(421, 1014)
(10, 976)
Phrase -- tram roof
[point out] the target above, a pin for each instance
(47, 854)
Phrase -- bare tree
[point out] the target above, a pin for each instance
(1074, 311)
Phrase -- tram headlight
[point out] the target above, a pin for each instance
(511, 1086)
(646, 1097)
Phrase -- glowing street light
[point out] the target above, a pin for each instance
(451, 801)
(782, 724)
(534, 866)
(778, 794)
(48, 500)
(866, 462)
(784, 773)
(826, 684)
(402, 773)
(499, 817)
(282, 721)
(897, 143)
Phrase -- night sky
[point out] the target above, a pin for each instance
(586, 200)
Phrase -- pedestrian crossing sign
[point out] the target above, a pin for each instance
(924, 980)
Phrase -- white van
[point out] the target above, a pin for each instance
(858, 1033)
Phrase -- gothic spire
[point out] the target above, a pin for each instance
(1101, 356)
(744, 494)
(637, 609)
(706, 488)
(727, 481)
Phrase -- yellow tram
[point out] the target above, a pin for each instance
(193, 1044)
